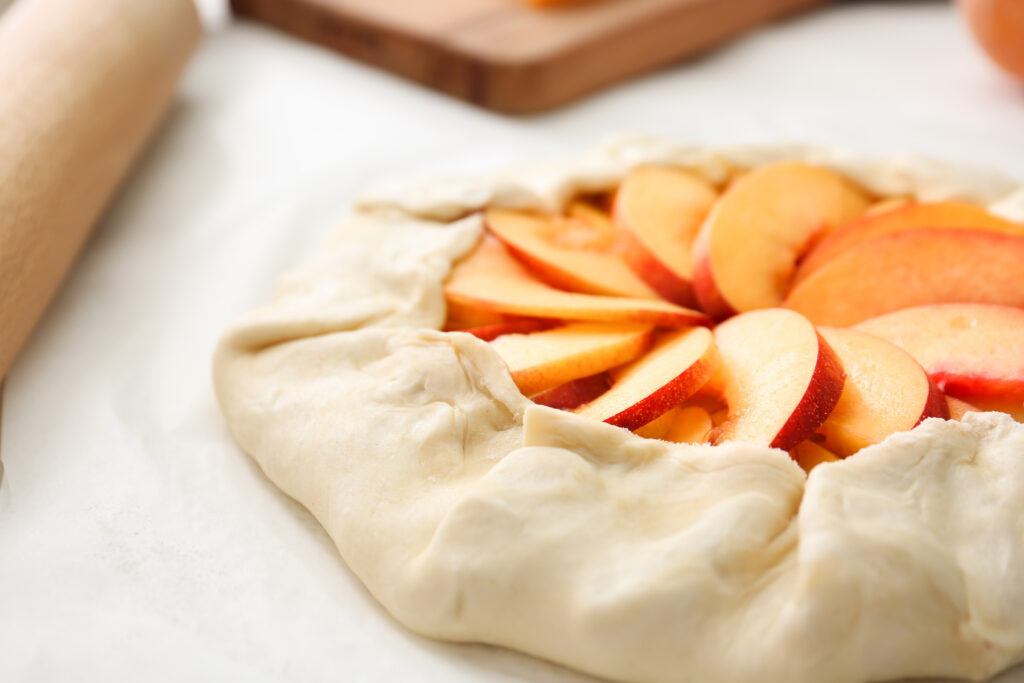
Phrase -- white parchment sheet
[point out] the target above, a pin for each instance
(136, 541)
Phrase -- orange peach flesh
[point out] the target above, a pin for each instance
(903, 218)
(747, 249)
(886, 205)
(678, 364)
(658, 212)
(544, 360)
(970, 350)
(809, 455)
(958, 408)
(592, 217)
(913, 268)
(684, 424)
(463, 317)
(692, 424)
(886, 391)
(656, 428)
(1014, 409)
(567, 254)
(491, 279)
(555, 3)
(779, 378)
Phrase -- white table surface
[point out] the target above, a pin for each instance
(136, 541)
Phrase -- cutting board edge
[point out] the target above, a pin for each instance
(522, 85)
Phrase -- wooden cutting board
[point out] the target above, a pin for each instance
(507, 56)
(1, 426)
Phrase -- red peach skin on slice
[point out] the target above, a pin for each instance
(575, 393)
(907, 217)
(490, 278)
(553, 249)
(544, 360)
(513, 326)
(747, 249)
(779, 377)
(886, 391)
(970, 350)
(678, 364)
(913, 268)
(658, 211)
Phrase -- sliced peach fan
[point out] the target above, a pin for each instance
(585, 309)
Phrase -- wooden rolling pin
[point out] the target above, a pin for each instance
(83, 85)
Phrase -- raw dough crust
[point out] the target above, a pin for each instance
(473, 515)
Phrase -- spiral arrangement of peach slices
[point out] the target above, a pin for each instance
(790, 309)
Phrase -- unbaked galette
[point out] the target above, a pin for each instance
(666, 413)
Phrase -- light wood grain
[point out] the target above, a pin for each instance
(506, 56)
(83, 87)
(1, 434)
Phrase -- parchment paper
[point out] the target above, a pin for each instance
(136, 541)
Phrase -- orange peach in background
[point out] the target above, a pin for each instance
(998, 26)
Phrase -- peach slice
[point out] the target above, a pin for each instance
(913, 268)
(958, 408)
(674, 369)
(491, 279)
(886, 391)
(593, 217)
(658, 211)
(567, 254)
(656, 428)
(464, 317)
(543, 360)
(970, 350)
(809, 455)
(575, 393)
(691, 424)
(906, 217)
(1014, 409)
(719, 416)
(748, 247)
(512, 326)
(888, 204)
(683, 424)
(779, 378)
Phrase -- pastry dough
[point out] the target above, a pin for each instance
(473, 515)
